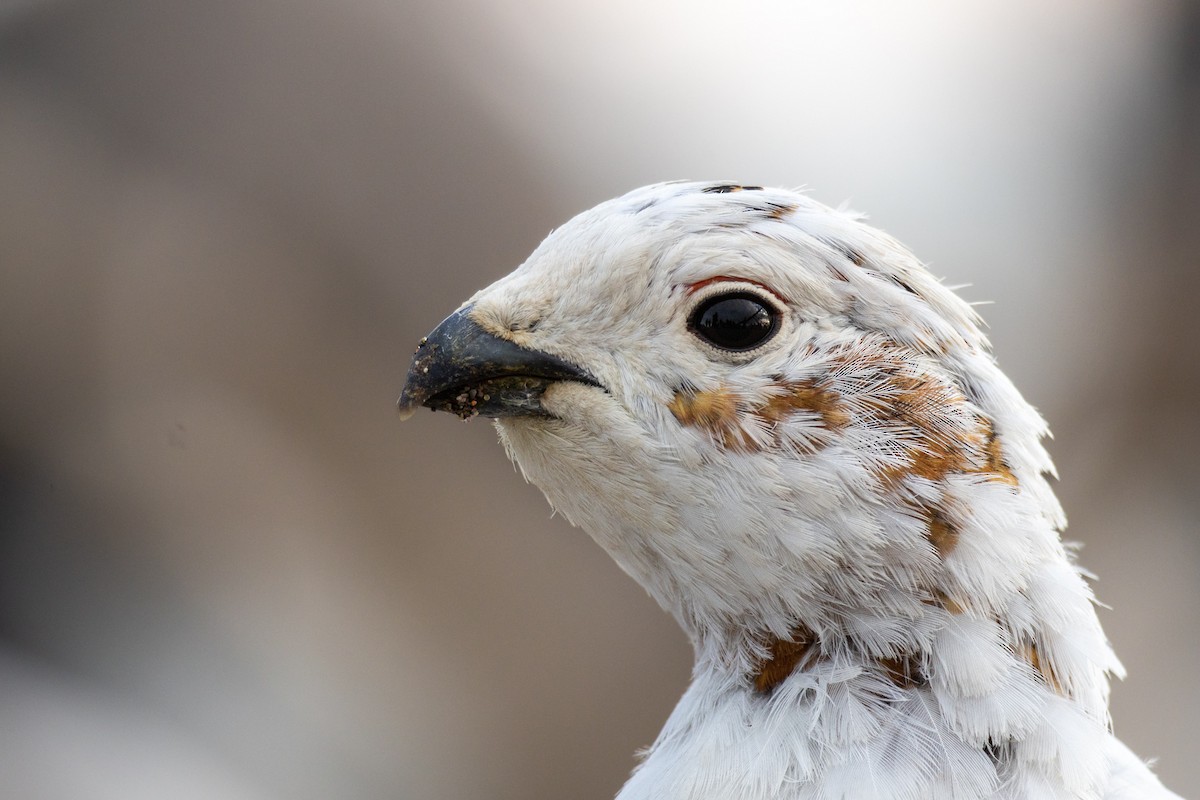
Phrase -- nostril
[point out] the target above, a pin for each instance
(524, 325)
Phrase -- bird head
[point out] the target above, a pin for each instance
(771, 416)
(797, 440)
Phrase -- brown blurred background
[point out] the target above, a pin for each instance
(227, 571)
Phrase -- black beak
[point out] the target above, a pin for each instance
(461, 368)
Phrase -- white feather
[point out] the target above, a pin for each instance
(750, 524)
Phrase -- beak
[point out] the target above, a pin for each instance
(461, 368)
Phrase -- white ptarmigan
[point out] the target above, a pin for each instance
(798, 442)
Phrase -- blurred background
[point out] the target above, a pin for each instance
(227, 571)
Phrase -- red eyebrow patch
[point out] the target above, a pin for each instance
(692, 288)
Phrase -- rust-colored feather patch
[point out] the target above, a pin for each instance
(783, 656)
(726, 415)
(927, 414)
(943, 600)
(904, 671)
(715, 411)
(994, 464)
(941, 533)
(1030, 652)
(931, 429)
(807, 395)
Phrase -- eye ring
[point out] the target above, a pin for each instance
(735, 320)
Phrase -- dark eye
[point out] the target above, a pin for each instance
(736, 321)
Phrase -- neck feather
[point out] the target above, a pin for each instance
(1000, 684)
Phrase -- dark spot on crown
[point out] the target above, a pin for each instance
(853, 256)
(779, 210)
(726, 188)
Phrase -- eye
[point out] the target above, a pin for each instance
(736, 321)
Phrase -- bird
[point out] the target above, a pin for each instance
(798, 441)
